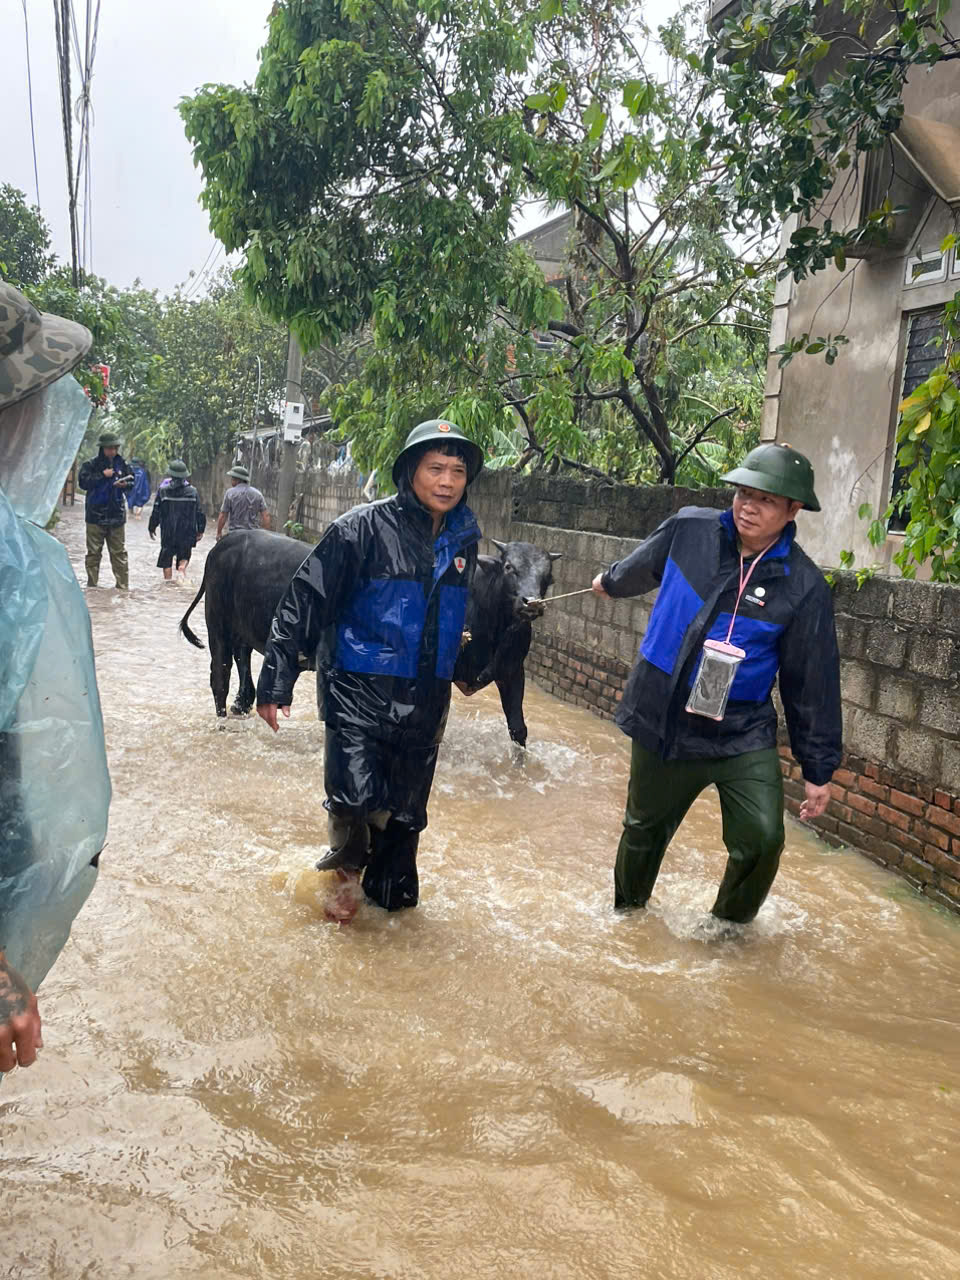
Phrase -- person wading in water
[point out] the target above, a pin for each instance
(386, 591)
(739, 602)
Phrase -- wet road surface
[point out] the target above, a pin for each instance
(510, 1081)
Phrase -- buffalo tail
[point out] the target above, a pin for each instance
(187, 633)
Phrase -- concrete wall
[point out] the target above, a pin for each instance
(897, 796)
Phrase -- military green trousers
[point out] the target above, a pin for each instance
(751, 801)
(112, 535)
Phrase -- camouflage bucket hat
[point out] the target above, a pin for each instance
(35, 348)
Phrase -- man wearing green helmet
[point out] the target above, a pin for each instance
(739, 605)
(383, 595)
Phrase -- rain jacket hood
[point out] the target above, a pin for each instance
(784, 623)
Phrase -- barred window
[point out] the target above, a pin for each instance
(922, 355)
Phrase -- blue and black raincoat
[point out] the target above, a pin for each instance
(784, 623)
(384, 602)
(105, 503)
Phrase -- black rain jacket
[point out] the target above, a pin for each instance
(177, 510)
(385, 604)
(106, 500)
(785, 623)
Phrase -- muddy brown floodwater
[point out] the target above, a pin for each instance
(510, 1081)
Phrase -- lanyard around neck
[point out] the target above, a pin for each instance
(743, 583)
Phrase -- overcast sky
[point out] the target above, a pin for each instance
(147, 222)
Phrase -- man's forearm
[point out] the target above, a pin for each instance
(221, 521)
(265, 519)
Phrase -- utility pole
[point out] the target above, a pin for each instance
(288, 464)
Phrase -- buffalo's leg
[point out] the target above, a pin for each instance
(511, 699)
(221, 660)
(246, 694)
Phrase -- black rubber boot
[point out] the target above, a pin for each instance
(391, 879)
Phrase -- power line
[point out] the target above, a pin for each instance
(195, 283)
(33, 132)
(61, 14)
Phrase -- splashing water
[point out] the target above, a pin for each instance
(512, 1080)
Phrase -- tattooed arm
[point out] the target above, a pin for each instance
(20, 1036)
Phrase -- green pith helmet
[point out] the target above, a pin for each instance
(178, 468)
(107, 440)
(776, 468)
(239, 473)
(441, 431)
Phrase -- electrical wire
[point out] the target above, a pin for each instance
(194, 286)
(33, 132)
(61, 13)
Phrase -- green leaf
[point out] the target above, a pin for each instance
(638, 97)
(594, 121)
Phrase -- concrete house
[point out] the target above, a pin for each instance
(888, 303)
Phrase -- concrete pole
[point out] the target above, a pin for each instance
(288, 464)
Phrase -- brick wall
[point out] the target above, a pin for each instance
(897, 796)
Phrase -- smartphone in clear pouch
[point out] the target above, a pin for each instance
(714, 679)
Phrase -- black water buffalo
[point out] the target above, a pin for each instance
(504, 600)
(248, 571)
(244, 577)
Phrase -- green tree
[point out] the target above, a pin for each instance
(124, 324)
(203, 390)
(408, 136)
(25, 256)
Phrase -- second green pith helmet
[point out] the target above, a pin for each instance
(776, 468)
(440, 431)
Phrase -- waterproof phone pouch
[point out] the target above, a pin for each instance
(714, 679)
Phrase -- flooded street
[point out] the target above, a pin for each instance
(510, 1081)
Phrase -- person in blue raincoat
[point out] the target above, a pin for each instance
(385, 593)
(54, 786)
(740, 606)
(139, 495)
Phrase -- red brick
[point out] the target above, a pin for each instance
(909, 844)
(942, 861)
(840, 811)
(931, 835)
(896, 819)
(950, 887)
(861, 803)
(941, 798)
(872, 770)
(844, 777)
(873, 789)
(941, 818)
(838, 793)
(900, 800)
